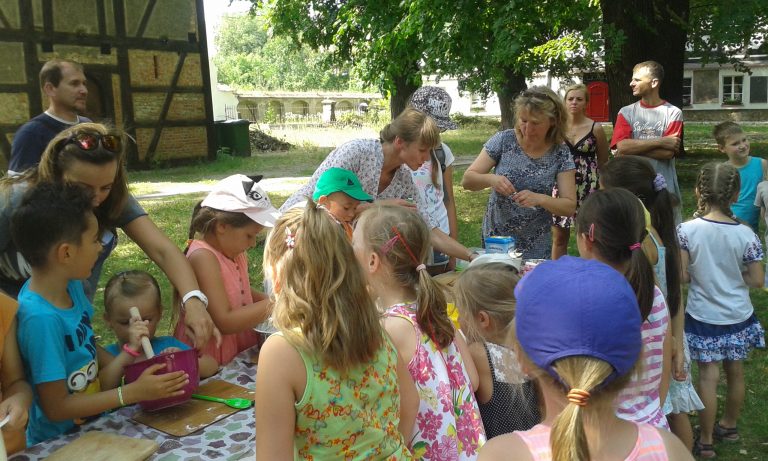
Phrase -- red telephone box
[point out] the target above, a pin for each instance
(597, 109)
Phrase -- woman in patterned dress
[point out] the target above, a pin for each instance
(384, 168)
(521, 166)
(589, 148)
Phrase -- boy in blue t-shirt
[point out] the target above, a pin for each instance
(56, 231)
(733, 142)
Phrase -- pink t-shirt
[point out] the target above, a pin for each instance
(648, 447)
(639, 401)
(234, 273)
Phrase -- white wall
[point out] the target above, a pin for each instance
(463, 102)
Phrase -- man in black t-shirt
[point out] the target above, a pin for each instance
(63, 82)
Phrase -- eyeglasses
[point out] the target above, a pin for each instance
(90, 141)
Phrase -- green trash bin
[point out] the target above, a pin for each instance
(233, 135)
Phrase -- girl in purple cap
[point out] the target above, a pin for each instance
(577, 328)
(391, 244)
(610, 229)
(722, 260)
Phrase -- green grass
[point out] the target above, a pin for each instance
(172, 216)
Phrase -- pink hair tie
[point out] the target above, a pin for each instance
(420, 267)
(635, 246)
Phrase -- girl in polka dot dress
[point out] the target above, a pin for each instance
(485, 297)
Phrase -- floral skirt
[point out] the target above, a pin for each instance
(714, 343)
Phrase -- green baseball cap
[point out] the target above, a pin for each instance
(340, 180)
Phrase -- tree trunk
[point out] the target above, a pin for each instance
(653, 30)
(513, 85)
(404, 88)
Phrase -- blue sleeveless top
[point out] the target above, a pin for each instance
(751, 174)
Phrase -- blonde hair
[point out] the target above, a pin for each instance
(568, 438)
(322, 303)
(540, 100)
(577, 87)
(490, 288)
(129, 284)
(59, 156)
(401, 239)
(412, 126)
(718, 184)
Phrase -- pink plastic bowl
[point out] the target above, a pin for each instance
(175, 361)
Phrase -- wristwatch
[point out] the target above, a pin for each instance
(194, 294)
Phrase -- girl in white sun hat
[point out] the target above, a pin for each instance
(224, 226)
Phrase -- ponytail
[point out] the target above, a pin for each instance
(663, 220)
(431, 313)
(642, 279)
(568, 437)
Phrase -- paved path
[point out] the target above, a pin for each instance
(283, 185)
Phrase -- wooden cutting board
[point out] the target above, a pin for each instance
(103, 446)
(196, 414)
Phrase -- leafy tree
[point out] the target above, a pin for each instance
(726, 32)
(642, 30)
(499, 44)
(367, 34)
(249, 58)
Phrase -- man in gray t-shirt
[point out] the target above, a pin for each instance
(651, 127)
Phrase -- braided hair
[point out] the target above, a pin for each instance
(717, 187)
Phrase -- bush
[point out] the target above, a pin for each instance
(476, 121)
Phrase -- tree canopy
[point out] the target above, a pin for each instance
(498, 45)
(249, 58)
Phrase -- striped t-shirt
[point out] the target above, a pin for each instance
(648, 447)
(639, 401)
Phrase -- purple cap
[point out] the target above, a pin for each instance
(576, 306)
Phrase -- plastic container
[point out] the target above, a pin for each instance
(174, 361)
(234, 135)
(499, 244)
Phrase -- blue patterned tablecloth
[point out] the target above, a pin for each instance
(230, 438)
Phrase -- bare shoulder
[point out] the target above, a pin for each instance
(280, 364)
(505, 447)
(403, 335)
(675, 448)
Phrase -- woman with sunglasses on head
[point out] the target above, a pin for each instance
(93, 156)
(521, 166)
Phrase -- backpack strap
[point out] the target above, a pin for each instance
(440, 155)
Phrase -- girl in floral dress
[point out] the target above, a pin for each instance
(331, 384)
(586, 140)
(722, 260)
(391, 244)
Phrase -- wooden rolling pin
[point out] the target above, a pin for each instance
(145, 344)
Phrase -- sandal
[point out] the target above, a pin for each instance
(730, 434)
(704, 450)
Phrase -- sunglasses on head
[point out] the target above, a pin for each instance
(90, 141)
